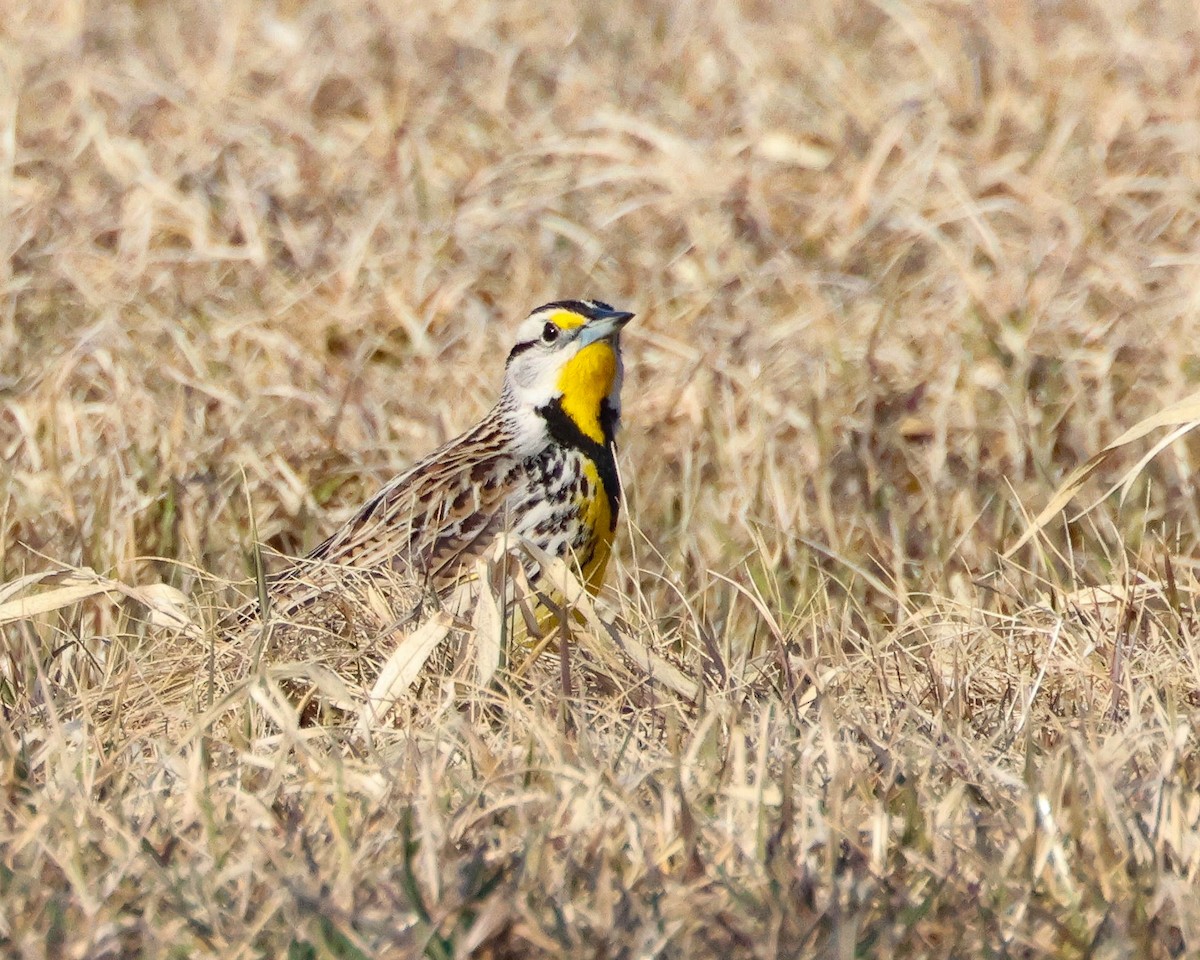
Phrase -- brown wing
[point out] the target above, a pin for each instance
(425, 522)
(424, 515)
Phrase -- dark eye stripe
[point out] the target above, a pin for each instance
(519, 349)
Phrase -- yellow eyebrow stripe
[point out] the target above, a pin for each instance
(567, 319)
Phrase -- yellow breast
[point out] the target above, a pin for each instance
(595, 513)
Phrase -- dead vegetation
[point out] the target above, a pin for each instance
(902, 272)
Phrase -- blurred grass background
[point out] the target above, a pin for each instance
(898, 269)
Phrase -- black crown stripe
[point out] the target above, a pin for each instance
(585, 308)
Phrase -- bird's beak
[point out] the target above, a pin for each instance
(603, 325)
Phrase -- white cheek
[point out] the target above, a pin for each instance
(536, 378)
(525, 376)
(531, 382)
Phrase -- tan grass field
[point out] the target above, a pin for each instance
(899, 269)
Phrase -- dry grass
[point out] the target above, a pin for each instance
(899, 269)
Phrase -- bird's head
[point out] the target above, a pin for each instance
(567, 361)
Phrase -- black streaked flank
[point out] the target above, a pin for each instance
(566, 431)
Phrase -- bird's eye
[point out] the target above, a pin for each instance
(549, 333)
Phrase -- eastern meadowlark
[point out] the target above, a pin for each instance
(539, 468)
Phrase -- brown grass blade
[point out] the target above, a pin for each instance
(403, 667)
(74, 589)
(1185, 414)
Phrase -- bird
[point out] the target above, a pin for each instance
(539, 468)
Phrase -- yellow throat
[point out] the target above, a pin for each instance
(585, 380)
